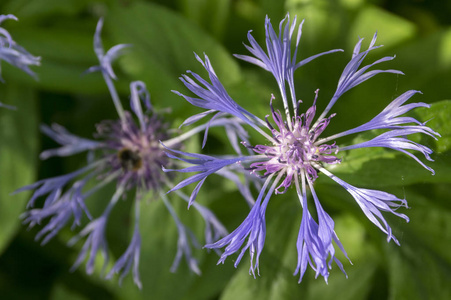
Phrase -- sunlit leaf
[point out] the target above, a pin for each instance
(391, 29)
(380, 167)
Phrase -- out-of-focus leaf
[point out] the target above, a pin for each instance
(275, 8)
(42, 8)
(391, 29)
(54, 44)
(427, 63)
(163, 46)
(18, 154)
(66, 55)
(211, 15)
(357, 286)
(445, 50)
(421, 268)
(429, 226)
(61, 292)
(323, 18)
(352, 4)
(415, 273)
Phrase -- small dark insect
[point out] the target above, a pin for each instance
(130, 160)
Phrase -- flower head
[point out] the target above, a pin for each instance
(14, 54)
(130, 155)
(295, 153)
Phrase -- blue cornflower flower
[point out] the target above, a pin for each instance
(14, 54)
(295, 153)
(130, 154)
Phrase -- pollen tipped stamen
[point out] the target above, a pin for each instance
(245, 144)
(297, 109)
(269, 124)
(249, 168)
(275, 135)
(282, 161)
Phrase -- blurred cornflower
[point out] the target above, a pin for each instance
(294, 153)
(14, 54)
(130, 154)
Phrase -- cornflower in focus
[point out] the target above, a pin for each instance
(295, 154)
(130, 155)
(14, 54)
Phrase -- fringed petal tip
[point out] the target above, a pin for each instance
(8, 17)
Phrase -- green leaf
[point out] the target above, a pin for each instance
(211, 15)
(445, 50)
(323, 19)
(361, 277)
(379, 167)
(421, 267)
(374, 168)
(43, 8)
(66, 55)
(163, 45)
(62, 292)
(428, 73)
(391, 29)
(18, 154)
(439, 120)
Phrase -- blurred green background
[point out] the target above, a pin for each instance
(164, 34)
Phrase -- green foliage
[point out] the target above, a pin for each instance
(18, 155)
(164, 35)
(378, 167)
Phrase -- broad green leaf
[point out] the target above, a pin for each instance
(361, 274)
(352, 4)
(437, 118)
(274, 9)
(43, 8)
(163, 45)
(55, 44)
(323, 18)
(421, 267)
(415, 273)
(433, 69)
(62, 292)
(18, 154)
(430, 224)
(445, 50)
(358, 285)
(211, 15)
(66, 55)
(391, 29)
